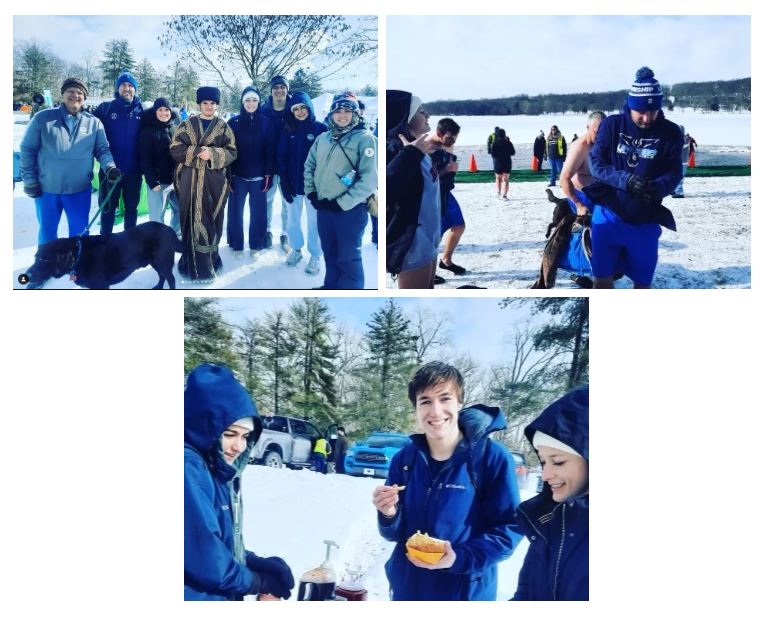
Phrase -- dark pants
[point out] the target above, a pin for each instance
(374, 234)
(235, 235)
(540, 164)
(340, 465)
(129, 185)
(319, 463)
(341, 239)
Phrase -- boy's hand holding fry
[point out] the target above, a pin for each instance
(385, 499)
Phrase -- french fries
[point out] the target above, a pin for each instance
(424, 543)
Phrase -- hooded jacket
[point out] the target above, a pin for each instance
(295, 143)
(256, 142)
(276, 118)
(122, 125)
(479, 523)
(214, 558)
(557, 563)
(622, 149)
(154, 147)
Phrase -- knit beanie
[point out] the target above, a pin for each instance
(397, 108)
(415, 103)
(278, 79)
(246, 423)
(646, 93)
(126, 76)
(161, 102)
(541, 439)
(250, 91)
(344, 102)
(208, 93)
(74, 82)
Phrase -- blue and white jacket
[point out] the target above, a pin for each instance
(479, 523)
(122, 125)
(294, 144)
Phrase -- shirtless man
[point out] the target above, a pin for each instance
(576, 173)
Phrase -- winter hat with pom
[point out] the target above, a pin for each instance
(126, 76)
(646, 93)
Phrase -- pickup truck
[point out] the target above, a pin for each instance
(286, 440)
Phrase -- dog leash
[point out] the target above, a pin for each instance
(100, 211)
(72, 274)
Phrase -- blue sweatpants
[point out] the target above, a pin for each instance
(49, 208)
(617, 245)
(235, 235)
(320, 463)
(341, 239)
(585, 200)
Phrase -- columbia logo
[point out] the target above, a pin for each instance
(454, 486)
(225, 507)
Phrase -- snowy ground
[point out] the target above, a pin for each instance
(267, 271)
(503, 242)
(289, 513)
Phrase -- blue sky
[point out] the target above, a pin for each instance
(472, 57)
(72, 35)
(479, 324)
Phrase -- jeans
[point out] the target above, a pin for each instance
(556, 167)
(319, 463)
(679, 188)
(49, 208)
(235, 236)
(156, 202)
(269, 199)
(341, 238)
(129, 185)
(295, 235)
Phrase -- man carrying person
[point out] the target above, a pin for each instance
(56, 162)
(636, 162)
(452, 220)
(576, 174)
(122, 124)
(276, 107)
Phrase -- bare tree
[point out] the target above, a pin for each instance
(433, 330)
(91, 71)
(261, 46)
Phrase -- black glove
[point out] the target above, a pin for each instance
(636, 184)
(277, 583)
(33, 190)
(651, 194)
(312, 196)
(287, 189)
(332, 205)
(113, 174)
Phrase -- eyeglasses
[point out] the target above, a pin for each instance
(71, 91)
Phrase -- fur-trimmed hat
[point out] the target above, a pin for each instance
(74, 82)
(646, 92)
(208, 93)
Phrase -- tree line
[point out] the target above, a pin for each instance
(236, 50)
(301, 362)
(715, 96)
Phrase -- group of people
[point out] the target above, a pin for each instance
(618, 173)
(452, 481)
(192, 163)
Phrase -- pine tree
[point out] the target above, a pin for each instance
(206, 337)
(310, 338)
(273, 357)
(247, 349)
(147, 80)
(118, 55)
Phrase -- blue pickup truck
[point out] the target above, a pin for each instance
(373, 456)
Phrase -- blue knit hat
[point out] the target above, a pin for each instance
(341, 101)
(646, 93)
(126, 76)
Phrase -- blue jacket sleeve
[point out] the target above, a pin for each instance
(672, 164)
(500, 534)
(389, 528)
(208, 563)
(523, 581)
(282, 153)
(30, 145)
(600, 161)
(101, 150)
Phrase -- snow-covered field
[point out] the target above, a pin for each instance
(267, 271)
(289, 513)
(503, 242)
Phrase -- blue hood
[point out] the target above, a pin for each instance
(299, 97)
(567, 420)
(213, 400)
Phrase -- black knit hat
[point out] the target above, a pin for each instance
(208, 93)
(397, 108)
(161, 102)
(74, 82)
(278, 79)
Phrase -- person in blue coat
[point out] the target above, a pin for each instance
(122, 123)
(298, 136)
(253, 173)
(636, 161)
(221, 426)
(556, 521)
(460, 486)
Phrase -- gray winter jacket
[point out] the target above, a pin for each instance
(326, 164)
(60, 162)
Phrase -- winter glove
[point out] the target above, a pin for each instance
(114, 174)
(651, 194)
(272, 564)
(312, 196)
(274, 583)
(331, 205)
(287, 189)
(33, 190)
(636, 184)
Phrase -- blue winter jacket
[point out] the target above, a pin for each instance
(256, 143)
(277, 119)
(295, 143)
(213, 400)
(557, 563)
(122, 125)
(478, 522)
(62, 162)
(622, 149)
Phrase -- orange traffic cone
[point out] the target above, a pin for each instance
(472, 164)
(535, 164)
(691, 161)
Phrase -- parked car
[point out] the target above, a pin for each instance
(286, 440)
(371, 458)
(523, 470)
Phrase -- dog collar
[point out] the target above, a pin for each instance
(72, 274)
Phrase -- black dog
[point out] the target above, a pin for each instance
(560, 211)
(105, 261)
